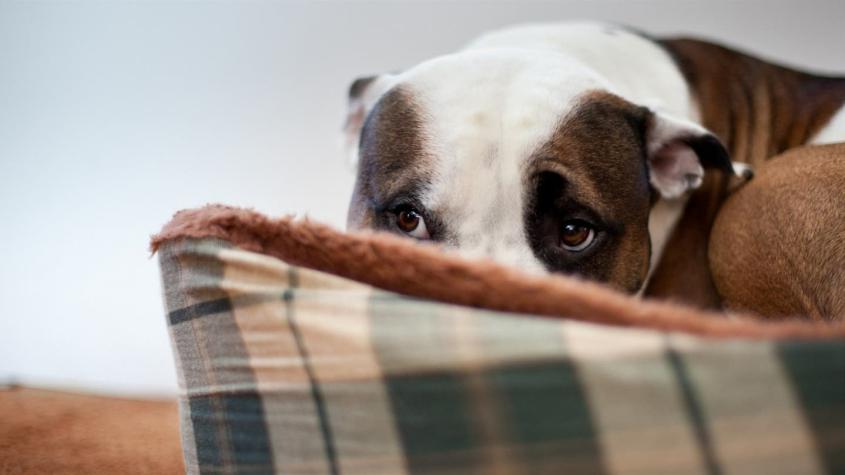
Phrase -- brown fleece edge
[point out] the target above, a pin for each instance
(400, 265)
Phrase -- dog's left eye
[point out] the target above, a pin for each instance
(411, 222)
(577, 235)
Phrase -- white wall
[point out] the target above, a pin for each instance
(114, 115)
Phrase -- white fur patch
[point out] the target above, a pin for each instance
(834, 131)
(661, 222)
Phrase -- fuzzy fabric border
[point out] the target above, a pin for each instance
(403, 266)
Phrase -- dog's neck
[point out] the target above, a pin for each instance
(757, 108)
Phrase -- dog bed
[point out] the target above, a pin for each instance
(301, 349)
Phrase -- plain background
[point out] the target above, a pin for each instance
(114, 115)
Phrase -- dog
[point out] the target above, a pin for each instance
(580, 148)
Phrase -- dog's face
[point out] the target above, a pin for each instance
(526, 159)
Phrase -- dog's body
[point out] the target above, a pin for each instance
(576, 148)
(796, 205)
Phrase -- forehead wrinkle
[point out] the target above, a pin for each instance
(406, 184)
(583, 190)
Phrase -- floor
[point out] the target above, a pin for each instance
(56, 432)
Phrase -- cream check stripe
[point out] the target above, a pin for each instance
(337, 333)
(746, 439)
(281, 378)
(635, 402)
(468, 342)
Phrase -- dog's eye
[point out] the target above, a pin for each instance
(577, 235)
(411, 222)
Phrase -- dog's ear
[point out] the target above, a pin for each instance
(678, 151)
(364, 92)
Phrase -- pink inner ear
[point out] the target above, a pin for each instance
(675, 168)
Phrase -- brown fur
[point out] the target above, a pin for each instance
(392, 159)
(599, 150)
(758, 110)
(796, 206)
(52, 432)
(400, 265)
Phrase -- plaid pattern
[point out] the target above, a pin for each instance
(287, 370)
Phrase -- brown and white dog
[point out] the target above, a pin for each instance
(578, 148)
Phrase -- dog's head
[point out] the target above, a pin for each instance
(527, 159)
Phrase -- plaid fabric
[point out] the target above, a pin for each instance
(287, 370)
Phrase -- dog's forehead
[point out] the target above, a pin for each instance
(510, 99)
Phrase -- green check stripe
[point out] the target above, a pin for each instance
(544, 407)
(546, 423)
(817, 372)
(548, 418)
(431, 410)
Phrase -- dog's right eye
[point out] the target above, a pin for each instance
(577, 235)
(411, 222)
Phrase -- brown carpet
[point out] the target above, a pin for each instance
(56, 432)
